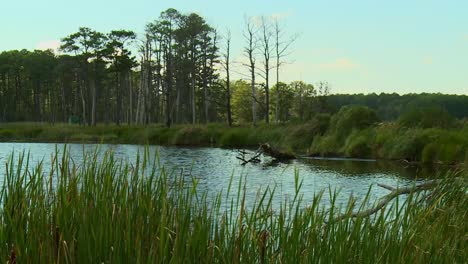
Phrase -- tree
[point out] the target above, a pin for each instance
(282, 50)
(226, 62)
(89, 46)
(241, 101)
(286, 97)
(122, 62)
(267, 49)
(249, 51)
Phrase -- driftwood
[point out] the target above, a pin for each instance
(263, 149)
(274, 153)
(386, 199)
(242, 156)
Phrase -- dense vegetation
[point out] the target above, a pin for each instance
(355, 131)
(391, 106)
(109, 212)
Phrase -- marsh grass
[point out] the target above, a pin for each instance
(108, 211)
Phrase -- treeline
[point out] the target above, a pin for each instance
(178, 72)
(392, 106)
(174, 77)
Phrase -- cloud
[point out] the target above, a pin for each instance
(280, 16)
(48, 44)
(257, 20)
(427, 60)
(340, 64)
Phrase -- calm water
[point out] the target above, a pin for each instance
(214, 167)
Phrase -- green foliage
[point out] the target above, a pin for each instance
(390, 107)
(315, 137)
(351, 118)
(282, 99)
(433, 117)
(359, 143)
(409, 145)
(191, 135)
(241, 102)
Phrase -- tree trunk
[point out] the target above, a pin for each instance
(93, 102)
(254, 95)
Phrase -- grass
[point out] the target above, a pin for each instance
(108, 211)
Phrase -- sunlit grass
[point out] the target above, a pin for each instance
(106, 211)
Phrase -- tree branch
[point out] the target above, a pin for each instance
(386, 199)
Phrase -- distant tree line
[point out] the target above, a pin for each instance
(392, 106)
(178, 72)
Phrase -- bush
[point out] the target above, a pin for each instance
(359, 144)
(409, 146)
(350, 118)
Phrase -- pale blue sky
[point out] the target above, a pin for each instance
(358, 46)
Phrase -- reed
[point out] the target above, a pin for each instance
(108, 211)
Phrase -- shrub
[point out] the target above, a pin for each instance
(359, 144)
(350, 118)
(409, 145)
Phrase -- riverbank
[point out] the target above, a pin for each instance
(379, 141)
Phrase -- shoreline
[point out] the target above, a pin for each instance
(286, 138)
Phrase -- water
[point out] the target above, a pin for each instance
(214, 167)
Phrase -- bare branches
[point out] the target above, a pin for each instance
(282, 50)
(386, 199)
(263, 149)
(242, 156)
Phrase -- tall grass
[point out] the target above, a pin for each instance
(107, 211)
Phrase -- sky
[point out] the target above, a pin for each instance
(357, 46)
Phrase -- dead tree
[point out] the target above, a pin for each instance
(249, 51)
(282, 50)
(225, 62)
(267, 50)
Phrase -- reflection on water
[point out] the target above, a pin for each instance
(214, 167)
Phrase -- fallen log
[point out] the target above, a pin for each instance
(392, 195)
(274, 153)
(386, 199)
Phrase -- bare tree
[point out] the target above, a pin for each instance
(226, 65)
(282, 50)
(249, 51)
(267, 50)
